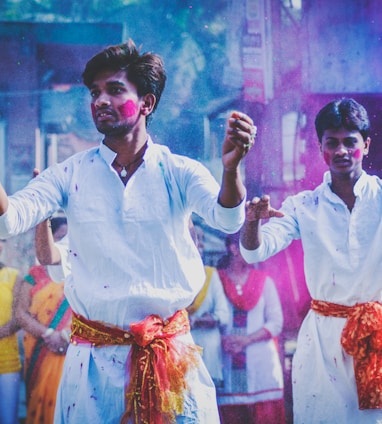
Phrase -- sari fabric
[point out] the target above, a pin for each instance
(43, 368)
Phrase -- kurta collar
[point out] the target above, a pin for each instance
(358, 187)
(109, 155)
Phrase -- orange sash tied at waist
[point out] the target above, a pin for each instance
(157, 362)
(362, 338)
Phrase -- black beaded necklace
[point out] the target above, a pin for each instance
(124, 168)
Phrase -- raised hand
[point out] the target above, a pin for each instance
(260, 208)
(239, 139)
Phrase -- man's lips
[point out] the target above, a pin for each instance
(342, 161)
(103, 115)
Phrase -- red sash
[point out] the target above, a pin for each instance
(362, 338)
(158, 363)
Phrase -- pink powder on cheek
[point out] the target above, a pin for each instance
(357, 154)
(326, 158)
(93, 110)
(128, 109)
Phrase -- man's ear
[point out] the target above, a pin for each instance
(366, 146)
(320, 147)
(148, 103)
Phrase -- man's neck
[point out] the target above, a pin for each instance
(343, 187)
(128, 146)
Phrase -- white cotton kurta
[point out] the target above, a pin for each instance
(264, 373)
(209, 339)
(343, 264)
(131, 255)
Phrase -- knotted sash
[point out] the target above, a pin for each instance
(157, 362)
(362, 338)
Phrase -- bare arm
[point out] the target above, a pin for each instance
(237, 343)
(53, 339)
(239, 139)
(26, 321)
(3, 200)
(46, 251)
(255, 210)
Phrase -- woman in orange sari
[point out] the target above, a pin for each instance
(44, 313)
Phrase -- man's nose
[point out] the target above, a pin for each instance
(342, 150)
(102, 100)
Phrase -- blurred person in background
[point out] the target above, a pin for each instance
(253, 389)
(10, 363)
(209, 315)
(44, 313)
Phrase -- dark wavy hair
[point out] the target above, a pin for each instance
(146, 71)
(346, 113)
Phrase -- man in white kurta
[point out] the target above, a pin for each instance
(341, 238)
(130, 249)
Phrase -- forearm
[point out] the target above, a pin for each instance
(46, 251)
(232, 190)
(8, 329)
(258, 336)
(3, 200)
(250, 234)
(30, 324)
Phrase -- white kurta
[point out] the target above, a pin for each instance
(263, 372)
(343, 264)
(131, 255)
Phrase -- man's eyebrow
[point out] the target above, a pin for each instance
(109, 83)
(116, 82)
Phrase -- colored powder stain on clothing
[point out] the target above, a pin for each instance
(128, 109)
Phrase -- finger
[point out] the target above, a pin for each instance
(236, 126)
(255, 201)
(273, 213)
(242, 117)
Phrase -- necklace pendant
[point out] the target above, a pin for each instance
(123, 172)
(239, 289)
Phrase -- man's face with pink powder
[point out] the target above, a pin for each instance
(115, 103)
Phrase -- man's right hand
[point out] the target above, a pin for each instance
(260, 208)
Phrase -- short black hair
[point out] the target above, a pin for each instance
(346, 113)
(145, 70)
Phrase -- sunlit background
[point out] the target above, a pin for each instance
(279, 61)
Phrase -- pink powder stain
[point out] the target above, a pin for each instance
(93, 110)
(326, 158)
(128, 109)
(357, 154)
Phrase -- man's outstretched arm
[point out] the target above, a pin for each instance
(256, 210)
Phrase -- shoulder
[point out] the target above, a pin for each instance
(163, 153)
(304, 197)
(70, 164)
